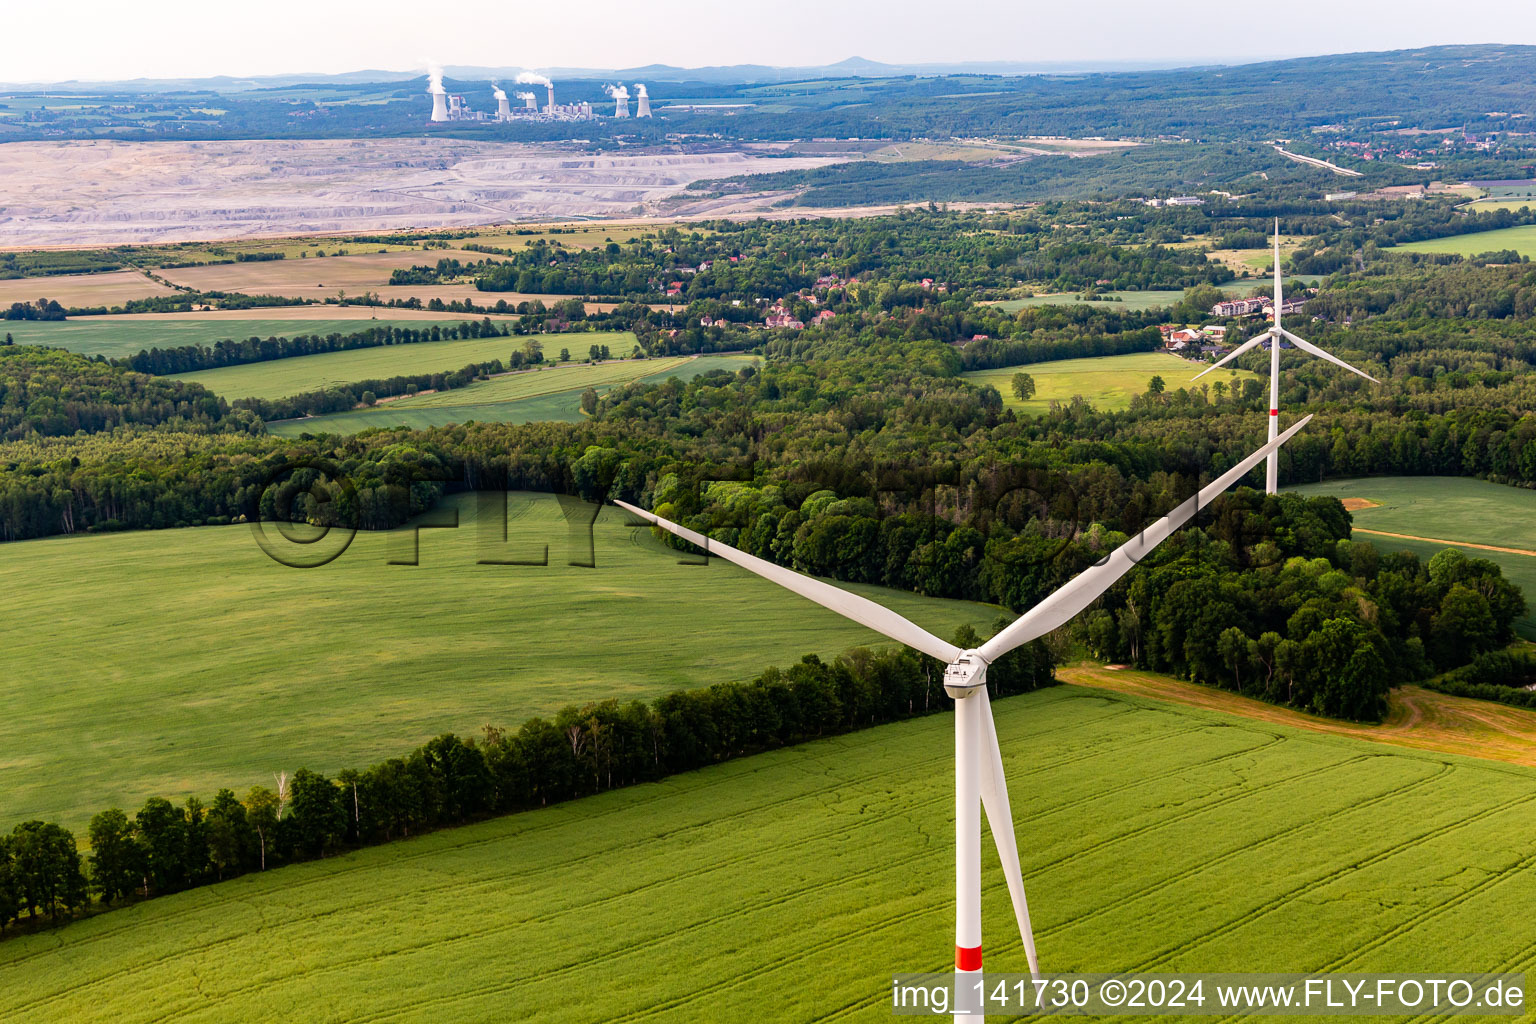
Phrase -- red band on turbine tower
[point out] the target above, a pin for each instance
(1274, 412)
(968, 959)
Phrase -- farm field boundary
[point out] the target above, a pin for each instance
(1417, 718)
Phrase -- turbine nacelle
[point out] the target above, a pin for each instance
(965, 675)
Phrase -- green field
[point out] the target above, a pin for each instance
(179, 661)
(1522, 239)
(544, 395)
(278, 378)
(789, 886)
(1450, 509)
(1107, 382)
(122, 336)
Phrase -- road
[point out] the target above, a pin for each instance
(1315, 162)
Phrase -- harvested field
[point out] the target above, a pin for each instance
(1417, 718)
(317, 277)
(102, 192)
(76, 290)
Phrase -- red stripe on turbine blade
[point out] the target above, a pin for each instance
(968, 959)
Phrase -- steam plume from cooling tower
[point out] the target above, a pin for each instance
(439, 94)
(533, 78)
(620, 99)
(503, 108)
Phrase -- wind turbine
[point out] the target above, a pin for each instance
(1273, 336)
(978, 759)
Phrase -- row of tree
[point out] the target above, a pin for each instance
(165, 848)
(230, 352)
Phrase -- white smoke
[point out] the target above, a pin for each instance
(434, 79)
(531, 78)
(617, 92)
(497, 91)
(640, 90)
(525, 96)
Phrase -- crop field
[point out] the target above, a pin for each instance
(78, 290)
(314, 278)
(1107, 382)
(178, 661)
(276, 378)
(132, 333)
(1521, 239)
(1446, 512)
(551, 394)
(1155, 837)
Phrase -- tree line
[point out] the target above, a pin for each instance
(1505, 676)
(230, 352)
(164, 848)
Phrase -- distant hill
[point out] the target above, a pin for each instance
(852, 67)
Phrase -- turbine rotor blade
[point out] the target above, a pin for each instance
(1087, 586)
(1224, 360)
(1307, 346)
(1278, 288)
(994, 800)
(851, 606)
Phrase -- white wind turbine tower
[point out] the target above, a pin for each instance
(978, 759)
(1273, 336)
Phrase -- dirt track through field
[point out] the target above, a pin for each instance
(1416, 717)
(1448, 543)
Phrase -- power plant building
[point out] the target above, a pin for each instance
(455, 108)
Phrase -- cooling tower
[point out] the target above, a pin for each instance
(503, 108)
(439, 106)
(643, 102)
(621, 105)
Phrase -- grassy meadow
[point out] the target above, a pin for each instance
(1154, 837)
(120, 336)
(542, 395)
(1521, 238)
(1451, 509)
(178, 661)
(277, 378)
(1107, 382)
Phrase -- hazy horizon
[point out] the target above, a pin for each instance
(100, 41)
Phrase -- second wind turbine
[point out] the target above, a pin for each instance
(1273, 336)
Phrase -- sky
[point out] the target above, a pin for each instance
(105, 40)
